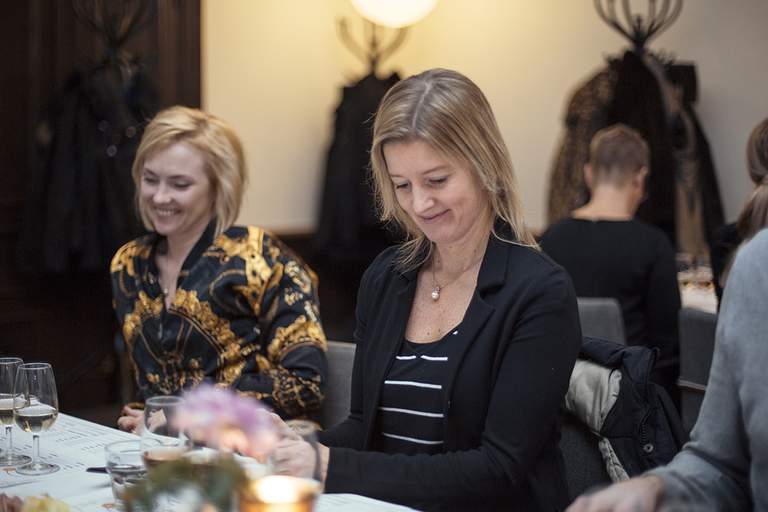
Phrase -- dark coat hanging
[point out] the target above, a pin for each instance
(80, 200)
(349, 229)
(628, 92)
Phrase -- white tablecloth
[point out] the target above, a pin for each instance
(76, 444)
(696, 297)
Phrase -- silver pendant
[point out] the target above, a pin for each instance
(435, 293)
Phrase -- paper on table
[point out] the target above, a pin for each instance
(72, 443)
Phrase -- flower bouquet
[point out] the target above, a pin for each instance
(206, 479)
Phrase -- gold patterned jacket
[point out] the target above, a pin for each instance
(245, 315)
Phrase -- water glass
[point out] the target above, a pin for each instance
(125, 467)
(161, 441)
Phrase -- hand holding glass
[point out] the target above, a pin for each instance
(302, 462)
(36, 410)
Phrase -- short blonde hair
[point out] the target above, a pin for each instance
(450, 113)
(616, 153)
(221, 150)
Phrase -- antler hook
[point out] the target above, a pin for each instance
(635, 27)
(373, 53)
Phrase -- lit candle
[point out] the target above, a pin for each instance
(277, 493)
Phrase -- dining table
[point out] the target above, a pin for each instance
(75, 445)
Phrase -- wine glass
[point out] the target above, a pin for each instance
(36, 410)
(8, 367)
(685, 269)
(161, 441)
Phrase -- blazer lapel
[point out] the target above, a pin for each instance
(492, 275)
(388, 343)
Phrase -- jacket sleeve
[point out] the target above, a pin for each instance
(350, 433)
(534, 365)
(712, 471)
(293, 367)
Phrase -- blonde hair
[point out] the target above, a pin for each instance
(616, 153)
(754, 215)
(450, 113)
(220, 147)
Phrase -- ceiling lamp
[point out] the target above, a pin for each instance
(394, 13)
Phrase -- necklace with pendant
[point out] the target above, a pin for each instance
(437, 287)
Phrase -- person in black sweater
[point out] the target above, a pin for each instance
(609, 253)
(466, 334)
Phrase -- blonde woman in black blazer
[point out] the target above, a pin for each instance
(466, 333)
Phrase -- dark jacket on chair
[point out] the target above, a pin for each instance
(521, 337)
(643, 426)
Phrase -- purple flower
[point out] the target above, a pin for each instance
(210, 413)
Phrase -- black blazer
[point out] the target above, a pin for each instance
(522, 335)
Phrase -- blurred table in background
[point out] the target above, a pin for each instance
(695, 279)
(696, 297)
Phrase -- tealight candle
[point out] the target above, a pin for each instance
(276, 493)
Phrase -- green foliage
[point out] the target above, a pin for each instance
(217, 481)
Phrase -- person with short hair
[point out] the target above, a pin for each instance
(609, 253)
(725, 465)
(466, 334)
(199, 299)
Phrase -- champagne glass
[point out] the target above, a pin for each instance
(36, 410)
(161, 441)
(8, 367)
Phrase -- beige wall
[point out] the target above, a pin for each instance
(273, 68)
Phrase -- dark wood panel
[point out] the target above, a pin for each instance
(67, 319)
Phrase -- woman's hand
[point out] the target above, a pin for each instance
(130, 420)
(258, 446)
(297, 457)
(635, 495)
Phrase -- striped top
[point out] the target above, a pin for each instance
(411, 410)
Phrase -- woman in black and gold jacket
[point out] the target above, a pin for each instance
(201, 300)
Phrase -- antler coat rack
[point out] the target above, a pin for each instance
(638, 29)
(375, 50)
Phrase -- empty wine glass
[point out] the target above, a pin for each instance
(36, 410)
(8, 367)
(161, 441)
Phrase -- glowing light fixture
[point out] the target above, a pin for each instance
(394, 13)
